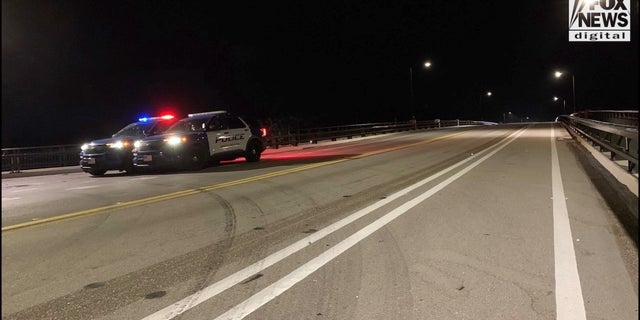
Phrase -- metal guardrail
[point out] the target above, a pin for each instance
(313, 135)
(622, 117)
(16, 159)
(618, 135)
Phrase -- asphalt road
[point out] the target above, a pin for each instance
(502, 222)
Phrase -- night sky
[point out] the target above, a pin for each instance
(74, 71)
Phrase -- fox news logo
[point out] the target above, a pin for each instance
(599, 20)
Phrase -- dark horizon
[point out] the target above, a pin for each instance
(76, 71)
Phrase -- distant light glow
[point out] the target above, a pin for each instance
(555, 98)
(427, 64)
(489, 93)
(558, 74)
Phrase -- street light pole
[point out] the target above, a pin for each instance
(558, 74)
(564, 103)
(411, 90)
(427, 65)
(573, 84)
(488, 94)
(504, 116)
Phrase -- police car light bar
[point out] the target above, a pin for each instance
(207, 113)
(165, 117)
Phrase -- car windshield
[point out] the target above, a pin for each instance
(136, 129)
(189, 125)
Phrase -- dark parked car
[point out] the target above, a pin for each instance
(200, 139)
(115, 153)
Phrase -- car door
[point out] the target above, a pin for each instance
(226, 135)
(238, 133)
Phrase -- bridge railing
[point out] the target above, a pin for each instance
(313, 135)
(16, 159)
(622, 117)
(617, 136)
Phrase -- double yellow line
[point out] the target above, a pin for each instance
(189, 192)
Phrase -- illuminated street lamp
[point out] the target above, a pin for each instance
(488, 94)
(504, 116)
(427, 65)
(564, 103)
(558, 75)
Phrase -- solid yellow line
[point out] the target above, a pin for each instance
(189, 192)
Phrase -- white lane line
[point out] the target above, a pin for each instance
(9, 199)
(269, 293)
(569, 301)
(81, 188)
(211, 291)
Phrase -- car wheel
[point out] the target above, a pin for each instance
(129, 168)
(195, 161)
(253, 152)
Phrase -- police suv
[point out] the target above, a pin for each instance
(115, 153)
(200, 139)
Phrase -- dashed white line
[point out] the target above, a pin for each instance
(569, 300)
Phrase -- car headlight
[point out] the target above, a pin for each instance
(137, 144)
(84, 147)
(116, 145)
(174, 141)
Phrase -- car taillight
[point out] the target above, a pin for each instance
(263, 132)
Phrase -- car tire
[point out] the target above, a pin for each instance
(129, 168)
(195, 161)
(253, 152)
